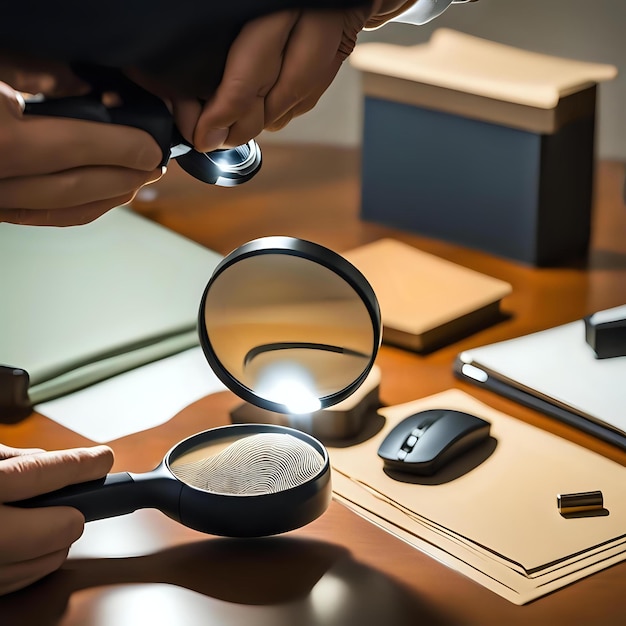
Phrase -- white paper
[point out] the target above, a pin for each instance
(137, 400)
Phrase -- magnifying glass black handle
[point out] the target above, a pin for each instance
(135, 106)
(113, 495)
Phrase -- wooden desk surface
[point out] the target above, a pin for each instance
(340, 569)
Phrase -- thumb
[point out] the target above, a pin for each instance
(29, 475)
(11, 102)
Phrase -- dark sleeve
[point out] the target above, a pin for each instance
(180, 43)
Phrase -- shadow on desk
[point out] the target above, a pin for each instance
(601, 259)
(271, 581)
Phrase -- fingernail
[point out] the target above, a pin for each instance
(214, 139)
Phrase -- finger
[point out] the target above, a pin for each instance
(281, 122)
(41, 145)
(252, 67)
(7, 452)
(308, 103)
(30, 475)
(186, 112)
(71, 188)
(74, 216)
(310, 61)
(19, 575)
(248, 126)
(31, 533)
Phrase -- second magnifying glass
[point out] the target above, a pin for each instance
(288, 325)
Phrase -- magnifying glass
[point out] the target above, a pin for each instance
(241, 480)
(283, 323)
(288, 325)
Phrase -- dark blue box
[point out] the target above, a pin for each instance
(518, 186)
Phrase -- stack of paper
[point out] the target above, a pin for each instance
(493, 514)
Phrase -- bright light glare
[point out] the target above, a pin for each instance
(289, 385)
(295, 396)
(330, 599)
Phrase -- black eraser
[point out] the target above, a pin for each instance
(605, 332)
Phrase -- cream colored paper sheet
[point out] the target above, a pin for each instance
(499, 520)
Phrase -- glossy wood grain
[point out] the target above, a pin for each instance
(340, 569)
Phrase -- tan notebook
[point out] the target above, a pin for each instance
(427, 301)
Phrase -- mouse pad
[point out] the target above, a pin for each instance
(493, 512)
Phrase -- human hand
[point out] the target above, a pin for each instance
(277, 68)
(35, 542)
(61, 172)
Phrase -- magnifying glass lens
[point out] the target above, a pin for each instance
(233, 158)
(256, 464)
(287, 332)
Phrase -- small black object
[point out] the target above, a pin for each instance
(14, 401)
(582, 502)
(605, 332)
(426, 441)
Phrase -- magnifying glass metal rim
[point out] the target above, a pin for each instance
(305, 249)
(251, 515)
(214, 167)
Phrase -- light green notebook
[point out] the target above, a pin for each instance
(81, 304)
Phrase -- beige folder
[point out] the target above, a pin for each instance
(494, 512)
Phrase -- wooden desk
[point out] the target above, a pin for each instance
(339, 569)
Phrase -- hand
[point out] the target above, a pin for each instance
(277, 68)
(35, 542)
(62, 172)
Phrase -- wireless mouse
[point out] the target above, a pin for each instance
(426, 441)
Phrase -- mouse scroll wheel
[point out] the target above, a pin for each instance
(411, 440)
(408, 445)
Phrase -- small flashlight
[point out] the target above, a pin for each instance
(225, 167)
